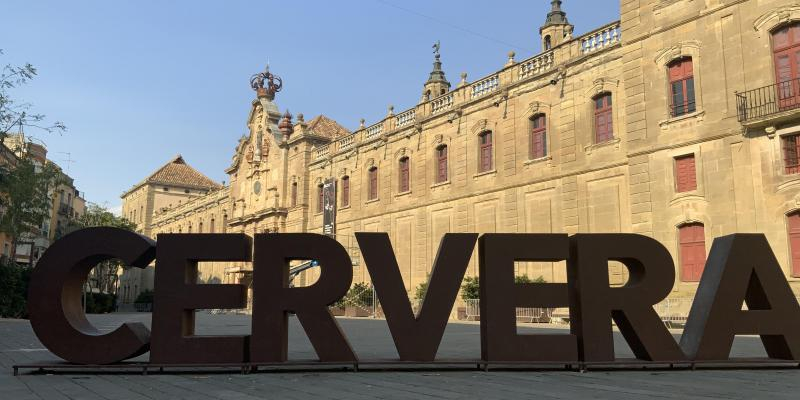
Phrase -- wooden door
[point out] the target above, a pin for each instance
(693, 251)
(794, 242)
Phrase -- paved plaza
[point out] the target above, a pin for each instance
(371, 340)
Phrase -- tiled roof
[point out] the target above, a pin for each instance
(177, 173)
(324, 126)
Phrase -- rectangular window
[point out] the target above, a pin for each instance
(793, 222)
(345, 191)
(538, 137)
(403, 185)
(441, 164)
(485, 152)
(373, 183)
(685, 174)
(681, 80)
(603, 121)
(693, 251)
(320, 198)
(791, 154)
(294, 194)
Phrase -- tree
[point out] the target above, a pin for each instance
(25, 197)
(19, 114)
(104, 276)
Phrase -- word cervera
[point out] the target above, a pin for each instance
(740, 268)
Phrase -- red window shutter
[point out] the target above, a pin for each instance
(685, 173)
(373, 183)
(345, 191)
(441, 173)
(486, 152)
(791, 154)
(404, 178)
(693, 251)
(681, 79)
(539, 137)
(603, 118)
(793, 222)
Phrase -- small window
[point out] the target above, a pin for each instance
(548, 43)
(538, 139)
(791, 154)
(793, 225)
(211, 226)
(187, 191)
(485, 142)
(685, 174)
(294, 194)
(681, 82)
(345, 191)
(603, 118)
(166, 189)
(441, 164)
(320, 198)
(403, 175)
(373, 184)
(693, 251)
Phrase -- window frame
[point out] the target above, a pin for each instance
(345, 182)
(535, 130)
(441, 154)
(404, 174)
(320, 198)
(372, 183)
(683, 272)
(486, 149)
(685, 78)
(603, 109)
(677, 162)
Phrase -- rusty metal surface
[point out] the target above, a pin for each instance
(177, 296)
(742, 268)
(274, 299)
(593, 302)
(499, 338)
(56, 286)
(417, 338)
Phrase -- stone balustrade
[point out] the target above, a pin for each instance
(373, 130)
(322, 151)
(536, 65)
(442, 103)
(345, 142)
(485, 86)
(406, 118)
(606, 36)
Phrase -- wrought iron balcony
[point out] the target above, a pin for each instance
(769, 101)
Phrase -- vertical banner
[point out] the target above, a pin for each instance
(329, 207)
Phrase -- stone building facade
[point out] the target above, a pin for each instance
(680, 121)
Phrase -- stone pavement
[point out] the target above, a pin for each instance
(371, 339)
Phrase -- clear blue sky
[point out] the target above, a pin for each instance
(137, 82)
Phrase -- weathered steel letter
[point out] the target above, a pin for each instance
(54, 296)
(178, 295)
(417, 338)
(500, 296)
(741, 268)
(274, 299)
(593, 303)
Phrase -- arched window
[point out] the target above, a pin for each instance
(372, 185)
(211, 226)
(224, 223)
(786, 52)
(345, 191)
(793, 226)
(403, 175)
(603, 118)
(681, 83)
(294, 194)
(692, 240)
(441, 164)
(200, 227)
(538, 139)
(485, 148)
(548, 43)
(320, 197)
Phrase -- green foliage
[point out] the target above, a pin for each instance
(104, 276)
(470, 289)
(144, 297)
(19, 114)
(14, 289)
(422, 288)
(360, 295)
(26, 199)
(100, 303)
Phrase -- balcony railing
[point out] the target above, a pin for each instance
(768, 100)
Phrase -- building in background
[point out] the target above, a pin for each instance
(680, 121)
(67, 203)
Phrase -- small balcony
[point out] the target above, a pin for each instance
(65, 209)
(769, 104)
